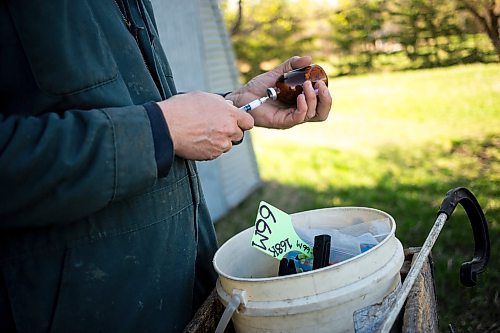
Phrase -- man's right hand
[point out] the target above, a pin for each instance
(203, 125)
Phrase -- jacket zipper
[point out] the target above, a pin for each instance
(193, 179)
(125, 19)
(128, 23)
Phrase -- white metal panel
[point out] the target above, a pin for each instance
(212, 181)
(180, 33)
(219, 59)
(198, 48)
(240, 172)
(238, 167)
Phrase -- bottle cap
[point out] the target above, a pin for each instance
(272, 93)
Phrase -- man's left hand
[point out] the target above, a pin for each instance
(274, 114)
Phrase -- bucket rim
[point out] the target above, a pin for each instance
(305, 274)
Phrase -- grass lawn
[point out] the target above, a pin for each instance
(398, 142)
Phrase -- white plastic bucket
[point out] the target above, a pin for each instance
(322, 300)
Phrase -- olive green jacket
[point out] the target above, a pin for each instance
(92, 236)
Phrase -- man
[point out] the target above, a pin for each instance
(103, 225)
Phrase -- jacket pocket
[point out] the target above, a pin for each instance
(65, 46)
(137, 281)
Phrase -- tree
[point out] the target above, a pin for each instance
(406, 16)
(424, 28)
(239, 17)
(263, 31)
(356, 27)
(487, 14)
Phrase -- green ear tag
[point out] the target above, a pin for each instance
(274, 233)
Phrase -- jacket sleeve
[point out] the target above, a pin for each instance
(58, 168)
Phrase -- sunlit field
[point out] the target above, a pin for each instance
(398, 142)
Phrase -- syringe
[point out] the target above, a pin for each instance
(271, 93)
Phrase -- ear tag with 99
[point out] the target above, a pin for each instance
(274, 233)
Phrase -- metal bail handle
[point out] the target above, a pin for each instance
(470, 269)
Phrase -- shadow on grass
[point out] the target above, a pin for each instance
(414, 207)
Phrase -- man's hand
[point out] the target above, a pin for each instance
(274, 114)
(203, 125)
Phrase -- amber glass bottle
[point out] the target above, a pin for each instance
(290, 84)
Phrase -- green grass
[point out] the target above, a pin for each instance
(398, 142)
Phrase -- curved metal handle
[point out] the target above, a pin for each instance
(469, 270)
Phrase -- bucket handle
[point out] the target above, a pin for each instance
(470, 269)
(239, 297)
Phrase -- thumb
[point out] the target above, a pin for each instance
(244, 120)
(293, 63)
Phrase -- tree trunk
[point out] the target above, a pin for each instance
(488, 21)
(494, 36)
(237, 24)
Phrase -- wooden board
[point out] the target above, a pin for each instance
(420, 311)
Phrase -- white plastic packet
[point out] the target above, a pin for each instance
(349, 241)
